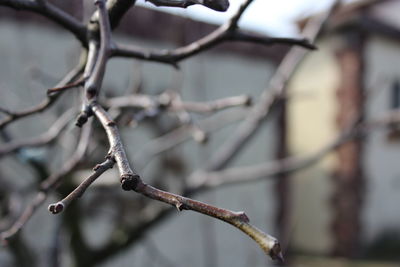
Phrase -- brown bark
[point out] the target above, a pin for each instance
(348, 176)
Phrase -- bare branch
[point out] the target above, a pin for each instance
(217, 5)
(238, 219)
(132, 181)
(78, 83)
(211, 106)
(46, 103)
(42, 139)
(202, 180)
(226, 32)
(49, 184)
(99, 169)
(117, 150)
(170, 102)
(274, 93)
(93, 84)
(51, 12)
(116, 9)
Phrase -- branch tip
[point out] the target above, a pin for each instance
(56, 207)
(276, 253)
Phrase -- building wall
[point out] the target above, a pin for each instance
(381, 160)
(311, 112)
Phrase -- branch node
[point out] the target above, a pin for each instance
(248, 101)
(91, 92)
(129, 181)
(111, 123)
(243, 217)
(96, 167)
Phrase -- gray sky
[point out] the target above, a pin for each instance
(270, 16)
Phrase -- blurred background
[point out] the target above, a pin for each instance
(342, 210)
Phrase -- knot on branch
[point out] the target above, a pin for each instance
(130, 181)
(242, 217)
(91, 92)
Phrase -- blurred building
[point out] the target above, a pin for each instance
(347, 205)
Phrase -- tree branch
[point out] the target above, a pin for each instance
(226, 32)
(274, 93)
(48, 185)
(46, 103)
(132, 181)
(43, 139)
(51, 12)
(203, 180)
(98, 170)
(171, 102)
(217, 5)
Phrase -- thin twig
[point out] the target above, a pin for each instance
(49, 184)
(51, 12)
(98, 170)
(66, 87)
(203, 180)
(46, 103)
(93, 84)
(170, 102)
(227, 32)
(274, 93)
(43, 139)
(132, 181)
(180, 135)
(238, 219)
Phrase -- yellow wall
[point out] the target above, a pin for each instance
(311, 119)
